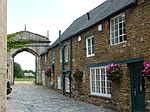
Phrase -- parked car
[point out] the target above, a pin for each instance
(9, 89)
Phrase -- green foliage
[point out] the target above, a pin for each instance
(15, 44)
(18, 71)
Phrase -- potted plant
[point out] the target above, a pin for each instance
(146, 71)
(77, 75)
(48, 72)
(114, 72)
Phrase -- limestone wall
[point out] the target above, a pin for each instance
(3, 55)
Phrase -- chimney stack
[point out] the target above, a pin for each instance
(25, 27)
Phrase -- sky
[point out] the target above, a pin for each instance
(41, 16)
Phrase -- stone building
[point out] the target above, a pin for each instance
(3, 54)
(117, 32)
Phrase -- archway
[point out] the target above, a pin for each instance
(41, 43)
(23, 57)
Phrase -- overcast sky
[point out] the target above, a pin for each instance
(42, 15)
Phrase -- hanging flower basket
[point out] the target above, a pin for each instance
(48, 72)
(146, 71)
(114, 72)
(78, 74)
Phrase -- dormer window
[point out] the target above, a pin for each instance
(88, 16)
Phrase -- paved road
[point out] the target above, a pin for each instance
(27, 97)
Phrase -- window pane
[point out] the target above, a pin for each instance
(116, 20)
(120, 19)
(120, 32)
(89, 42)
(120, 38)
(120, 25)
(116, 33)
(112, 28)
(116, 40)
(112, 41)
(112, 22)
(116, 27)
(92, 41)
(93, 71)
(89, 51)
(92, 49)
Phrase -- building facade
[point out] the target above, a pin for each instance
(3, 54)
(116, 32)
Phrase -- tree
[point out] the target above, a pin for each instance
(18, 71)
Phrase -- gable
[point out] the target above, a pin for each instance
(26, 35)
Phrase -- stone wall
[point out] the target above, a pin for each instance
(3, 55)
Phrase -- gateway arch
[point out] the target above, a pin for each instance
(39, 45)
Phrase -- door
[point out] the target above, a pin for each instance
(137, 87)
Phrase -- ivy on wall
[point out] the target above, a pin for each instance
(15, 44)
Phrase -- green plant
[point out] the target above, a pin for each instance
(15, 44)
(114, 72)
(77, 75)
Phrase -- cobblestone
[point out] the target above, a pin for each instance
(35, 98)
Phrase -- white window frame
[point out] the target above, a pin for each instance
(60, 55)
(66, 53)
(117, 30)
(45, 57)
(97, 87)
(59, 82)
(67, 85)
(53, 57)
(91, 47)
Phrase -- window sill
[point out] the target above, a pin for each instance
(99, 96)
(118, 43)
(88, 56)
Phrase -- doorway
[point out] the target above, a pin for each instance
(137, 87)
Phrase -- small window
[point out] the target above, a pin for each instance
(66, 53)
(90, 46)
(117, 30)
(59, 82)
(67, 85)
(46, 55)
(60, 55)
(99, 85)
(53, 58)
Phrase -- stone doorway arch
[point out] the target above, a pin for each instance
(40, 44)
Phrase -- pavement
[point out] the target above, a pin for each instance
(27, 97)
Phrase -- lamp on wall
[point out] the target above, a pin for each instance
(79, 38)
(99, 27)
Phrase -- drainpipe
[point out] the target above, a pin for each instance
(62, 52)
(70, 65)
(63, 75)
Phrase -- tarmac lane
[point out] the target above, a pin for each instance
(28, 97)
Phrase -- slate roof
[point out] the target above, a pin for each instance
(105, 10)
